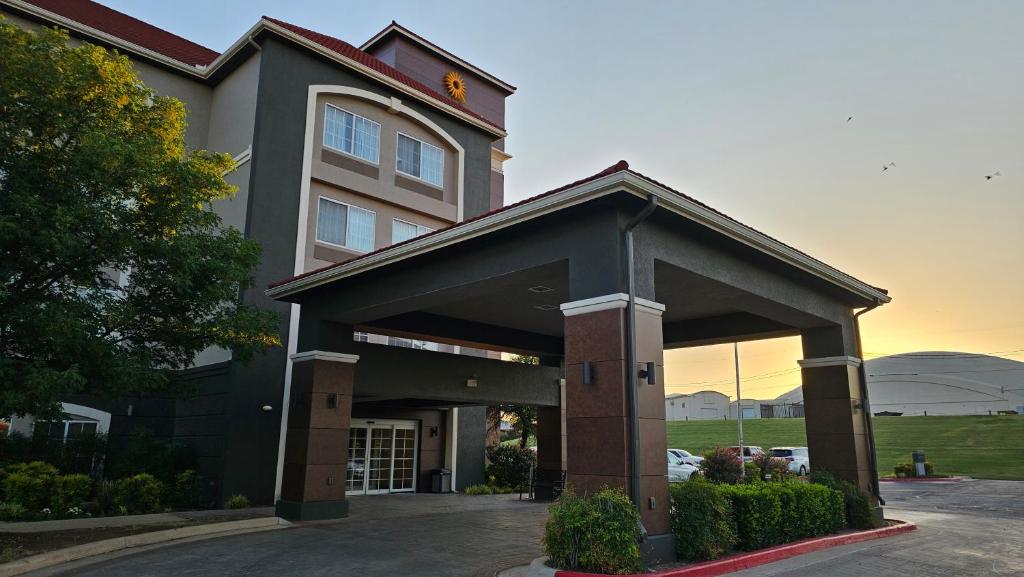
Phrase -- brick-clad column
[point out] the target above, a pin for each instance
(597, 414)
(316, 448)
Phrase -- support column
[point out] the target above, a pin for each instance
(834, 407)
(551, 448)
(316, 448)
(597, 414)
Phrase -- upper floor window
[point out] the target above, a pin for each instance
(402, 230)
(419, 159)
(345, 225)
(352, 134)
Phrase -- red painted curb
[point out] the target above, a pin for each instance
(754, 558)
(921, 479)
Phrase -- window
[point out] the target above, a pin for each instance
(351, 134)
(419, 159)
(402, 230)
(345, 225)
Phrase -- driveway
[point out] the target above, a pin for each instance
(965, 529)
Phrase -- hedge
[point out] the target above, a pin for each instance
(509, 466)
(701, 518)
(70, 492)
(139, 494)
(599, 533)
(859, 512)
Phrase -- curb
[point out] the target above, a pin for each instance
(920, 479)
(211, 530)
(770, 555)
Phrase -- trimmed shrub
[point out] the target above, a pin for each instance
(29, 484)
(908, 470)
(751, 473)
(139, 494)
(509, 466)
(237, 502)
(480, 489)
(701, 519)
(184, 493)
(860, 514)
(70, 492)
(721, 465)
(810, 510)
(13, 512)
(106, 498)
(598, 533)
(757, 511)
(777, 468)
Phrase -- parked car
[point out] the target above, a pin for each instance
(687, 457)
(799, 461)
(749, 452)
(678, 471)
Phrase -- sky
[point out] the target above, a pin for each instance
(744, 106)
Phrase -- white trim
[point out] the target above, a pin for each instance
(323, 140)
(323, 356)
(607, 302)
(455, 444)
(417, 176)
(441, 51)
(243, 157)
(829, 362)
(316, 232)
(619, 181)
(102, 418)
(207, 71)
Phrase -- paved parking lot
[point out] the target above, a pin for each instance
(966, 529)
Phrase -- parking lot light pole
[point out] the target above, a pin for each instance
(739, 407)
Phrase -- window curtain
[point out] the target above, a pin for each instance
(408, 155)
(360, 229)
(330, 222)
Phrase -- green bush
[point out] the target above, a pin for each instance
(29, 484)
(701, 519)
(480, 489)
(509, 466)
(147, 453)
(904, 470)
(860, 514)
(771, 468)
(757, 511)
(70, 492)
(810, 510)
(139, 494)
(721, 465)
(106, 498)
(751, 473)
(598, 533)
(13, 512)
(237, 502)
(78, 454)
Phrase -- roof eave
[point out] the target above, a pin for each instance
(619, 181)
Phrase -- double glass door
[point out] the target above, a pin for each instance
(381, 457)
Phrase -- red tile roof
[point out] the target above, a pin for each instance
(129, 29)
(347, 50)
(620, 166)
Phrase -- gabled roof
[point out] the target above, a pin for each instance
(618, 177)
(133, 30)
(131, 35)
(397, 29)
(348, 51)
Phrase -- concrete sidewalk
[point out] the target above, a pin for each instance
(135, 520)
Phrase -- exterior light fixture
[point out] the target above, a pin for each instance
(471, 383)
(546, 307)
(588, 373)
(540, 289)
(266, 408)
(649, 372)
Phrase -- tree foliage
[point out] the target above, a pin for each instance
(96, 181)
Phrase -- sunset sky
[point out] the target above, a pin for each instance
(744, 106)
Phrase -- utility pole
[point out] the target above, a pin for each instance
(739, 407)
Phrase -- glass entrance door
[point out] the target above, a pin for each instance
(381, 457)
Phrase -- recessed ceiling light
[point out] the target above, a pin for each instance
(540, 289)
(546, 307)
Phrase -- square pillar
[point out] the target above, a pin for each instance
(316, 446)
(597, 414)
(551, 446)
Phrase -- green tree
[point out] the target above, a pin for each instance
(95, 180)
(524, 417)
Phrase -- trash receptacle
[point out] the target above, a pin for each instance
(919, 469)
(441, 481)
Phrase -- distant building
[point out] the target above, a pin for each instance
(699, 405)
(940, 383)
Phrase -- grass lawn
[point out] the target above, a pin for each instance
(984, 447)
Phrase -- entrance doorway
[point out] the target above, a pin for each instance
(381, 457)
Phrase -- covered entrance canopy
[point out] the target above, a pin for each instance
(548, 277)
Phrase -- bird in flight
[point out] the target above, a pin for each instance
(993, 175)
(886, 167)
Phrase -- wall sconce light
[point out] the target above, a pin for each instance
(588, 373)
(471, 382)
(332, 401)
(433, 431)
(266, 408)
(649, 372)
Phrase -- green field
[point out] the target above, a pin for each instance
(983, 447)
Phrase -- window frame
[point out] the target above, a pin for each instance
(395, 219)
(347, 205)
(416, 176)
(323, 139)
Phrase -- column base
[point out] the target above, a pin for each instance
(656, 549)
(311, 510)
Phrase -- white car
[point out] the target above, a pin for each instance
(749, 452)
(799, 461)
(678, 471)
(687, 457)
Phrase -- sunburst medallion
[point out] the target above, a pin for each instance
(455, 85)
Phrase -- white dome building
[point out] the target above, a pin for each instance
(940, 383)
